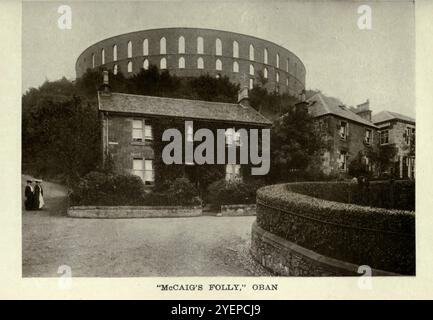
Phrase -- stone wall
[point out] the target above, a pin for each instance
(286, 258)
(291, 69)
(133, 212)
(238, 210)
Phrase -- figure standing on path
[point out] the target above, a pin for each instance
(29, 194)
(39, 195)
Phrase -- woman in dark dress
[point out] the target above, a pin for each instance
(28, 193)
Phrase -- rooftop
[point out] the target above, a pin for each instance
(321, 105)
(180, 108)
(384, 116)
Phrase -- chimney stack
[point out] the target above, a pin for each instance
(302, 96)
(243, 98)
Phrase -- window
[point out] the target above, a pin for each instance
(93, 60)
(278, 60)
(138, 134)
(235, 49)
(251, 70)
(277, 77)
(130, 66)
(287, 81)
(384, 137)
(163, 64)
(181, 44)
(218, 64)
(296, 70)
(143, 168)
(230, 133)
(129, 49)
(115, 52)
(251, 52)
(232, 137)
(265, 56)
(251, 83)
(218, 47)
(137, 130)
(102, 56)
(200, 45)
(342, 160)
(265, 73)
(235, 66)
(200, 64)
(145, 47)
(189, 134)
(181, 63)
(368, 136)
(343, 129)
(233, 172)
(162, 47)
(149, 176)
(115, 69)
(407, 135)
(148, 133)
(287, 65)
(145, 64)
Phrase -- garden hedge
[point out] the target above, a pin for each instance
(380, 238)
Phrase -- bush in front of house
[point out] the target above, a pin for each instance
(380, 238)
(224, 192)
(105, 189)
(99, 188)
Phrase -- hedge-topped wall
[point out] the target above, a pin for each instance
(383, 239)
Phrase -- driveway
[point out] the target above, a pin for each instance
(198, 246)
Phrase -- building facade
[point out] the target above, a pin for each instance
(191, 52)
(347, 133)
(399, 131)
(128, 125)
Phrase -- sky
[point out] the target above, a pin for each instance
(341, 60)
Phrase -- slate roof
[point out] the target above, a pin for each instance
(384, 116)
(328, 105)
(180, 108)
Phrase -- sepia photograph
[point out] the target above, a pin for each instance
(218, 139)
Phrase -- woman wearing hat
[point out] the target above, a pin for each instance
(39, 195)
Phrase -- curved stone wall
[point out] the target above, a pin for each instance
(191, 52)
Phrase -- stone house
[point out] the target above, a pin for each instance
(398, 130)
(347, 132)
(128, 125)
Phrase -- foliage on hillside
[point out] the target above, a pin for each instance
(60, 127)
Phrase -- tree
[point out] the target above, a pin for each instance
(295, 143)
(383, 157)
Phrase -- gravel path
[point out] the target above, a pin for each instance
(199, 246)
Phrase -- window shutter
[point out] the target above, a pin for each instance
(347, 128)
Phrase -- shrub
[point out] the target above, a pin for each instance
(183, 192)
(224, 192)
(382, 194)
(381, 238)
(98, 188)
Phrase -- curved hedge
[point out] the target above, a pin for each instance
(380, 238)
